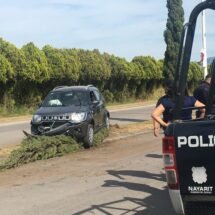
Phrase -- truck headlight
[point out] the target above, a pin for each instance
(36, 118)
(78, 117)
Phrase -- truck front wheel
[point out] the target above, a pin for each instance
(88, 139)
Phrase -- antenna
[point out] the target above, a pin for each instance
(204, 49)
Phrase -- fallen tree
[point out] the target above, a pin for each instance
(44, 147)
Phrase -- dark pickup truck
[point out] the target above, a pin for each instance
(189, 153)
(189, 146)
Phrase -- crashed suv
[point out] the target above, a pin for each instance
(78, 111)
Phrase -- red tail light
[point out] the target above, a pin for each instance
(168, 145)
(170, 162)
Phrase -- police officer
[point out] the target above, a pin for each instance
(168, 86)
(202, 91)
(167, 105)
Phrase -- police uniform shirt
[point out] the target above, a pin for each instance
(166, 111)
(189, 101)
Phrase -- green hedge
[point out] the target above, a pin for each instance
(29, 73)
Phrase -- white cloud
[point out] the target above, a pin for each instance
(122, 27)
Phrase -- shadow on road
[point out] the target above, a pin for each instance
(141, 174)
(154, 156)
(157, 201)
(127, 119)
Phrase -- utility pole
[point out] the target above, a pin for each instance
(204, 50)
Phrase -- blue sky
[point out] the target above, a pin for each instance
(125, 28)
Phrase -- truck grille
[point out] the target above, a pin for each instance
(47, 126)
(55, 118)
(53, 124)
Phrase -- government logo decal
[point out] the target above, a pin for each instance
(199, 175)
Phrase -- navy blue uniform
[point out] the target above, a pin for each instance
(166, 111)
(201, 92)
(189, 101)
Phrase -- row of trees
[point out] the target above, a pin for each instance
(27, 74)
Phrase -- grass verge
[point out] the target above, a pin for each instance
(42, 148)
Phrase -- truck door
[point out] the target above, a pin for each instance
(96, 108)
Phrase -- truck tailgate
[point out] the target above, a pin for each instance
(195, 157)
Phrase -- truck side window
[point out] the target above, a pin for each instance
(92, 96)
(97, 95)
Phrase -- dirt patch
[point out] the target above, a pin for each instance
(5, 151)
(8, 149)
(129, 105)
(117, 130)
(15, 119)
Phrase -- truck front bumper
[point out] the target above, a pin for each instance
(76, 130)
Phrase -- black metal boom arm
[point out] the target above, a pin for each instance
(185, 55)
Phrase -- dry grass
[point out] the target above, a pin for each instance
(128, 105)
(15, 119)
(117, 130)
(6, 151)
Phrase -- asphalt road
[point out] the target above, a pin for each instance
(11, 133)
(122, 177)
(137, 114)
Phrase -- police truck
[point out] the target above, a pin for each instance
(189, 146)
